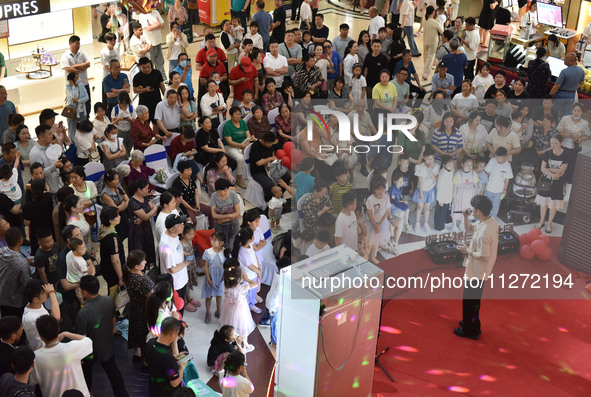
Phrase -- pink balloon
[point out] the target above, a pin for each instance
(286, 162)
(544, 255)
(288, 146)
(526, 252)
(538, 247)
(534, 234)
(296, 156)
(524, 239)
(545, 238)
(280, 154)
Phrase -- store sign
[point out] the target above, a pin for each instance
(18, 9)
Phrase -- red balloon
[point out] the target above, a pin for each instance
(545, 238)
(534, 234)
(524, 239)
(544, 255)
(280, 154)
(526, 252)
(296, 156)
(288, 146)
(286, 162)
(538, 247)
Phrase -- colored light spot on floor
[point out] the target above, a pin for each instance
(458, 389)
(365, 362)
(353, 318)
(413, 323)
(434, 372)
(487, 378)
(503, 350)
(561, 329)
(402, 358)
(509, 366)
(341, 301)
(356, 384)
(549, 309)
(464, 374)
(407, 349)
(545, 378)
(390, 330)
(356, 303)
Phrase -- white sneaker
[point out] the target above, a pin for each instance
(417, 228)
(408, 228)
(426, 228)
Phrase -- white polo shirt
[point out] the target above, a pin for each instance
(170, 116)
(155, 36)
(276, 63)
(69, 59)
(171, 254)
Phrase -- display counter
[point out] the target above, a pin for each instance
(556, 65)
(31, 96)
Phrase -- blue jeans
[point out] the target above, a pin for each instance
(410, 36)
(563, 102)
(274, 318)
(496, 202)
(172, 64)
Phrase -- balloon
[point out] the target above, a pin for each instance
(526, 252)
(288, 146)
(588, 288)
(286, 162)
(544, 255)
(296, 156)
(524, 239)
(534, 234)
(545, 238)
(538, 247)
(280, 154)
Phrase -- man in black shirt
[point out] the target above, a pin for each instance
(11, 330)
(46, 257)
(96, 320)
(489, 116)
(319, 31)
(500, 84)
(262, 154)
(278, 25)
(148, 83)
(373, 64)
(165, 373)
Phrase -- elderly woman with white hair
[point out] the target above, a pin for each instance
(142, 134)
(138, 170)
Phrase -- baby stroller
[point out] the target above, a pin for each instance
(523, 191)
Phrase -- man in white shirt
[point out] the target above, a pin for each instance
(36, 294)
(152, 24)
(306, 15)
(275, 64)
(530, 17)
(470, 43)
(58, 365)
(172, 258)
(51, 166)
(346, 225)
(479, 261)
(375, 23)
(168, 114)
(76, 60)
(107, 53)
(139, 43)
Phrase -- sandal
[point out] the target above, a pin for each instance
(540, 225)
(190, 307)
(548, 229)
(195, 302)
(217, 314)
(207, 318)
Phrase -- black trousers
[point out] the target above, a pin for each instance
(113, 373)
(420, 95)
(295, 9)
(89, 103)
(471, 308)
(267, 183)
(182, 292)
(469, 71)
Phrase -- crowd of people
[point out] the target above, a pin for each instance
(255, 96)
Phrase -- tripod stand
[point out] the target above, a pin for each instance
(378, 356)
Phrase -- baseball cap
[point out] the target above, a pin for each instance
(246, 64)
(211, 52)
(442, 65)
(173, 219)
(46, 114)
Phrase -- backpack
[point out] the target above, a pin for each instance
(117, 110)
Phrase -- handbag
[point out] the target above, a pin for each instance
(122, 298)
(90, 216)
(70, 112)
(94, 156)
(544, 186)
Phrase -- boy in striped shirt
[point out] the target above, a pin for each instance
(338, 188)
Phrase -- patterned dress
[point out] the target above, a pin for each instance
(137, 287)
(140, 236)
(215, 262)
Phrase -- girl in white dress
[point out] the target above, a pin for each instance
(378, 212)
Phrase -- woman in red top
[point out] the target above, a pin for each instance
(142, 134)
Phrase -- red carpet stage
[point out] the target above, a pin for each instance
(529, 347)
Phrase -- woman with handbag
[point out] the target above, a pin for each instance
(113, 195)
(551, 185)
(76, 98)
(86, 149)
(113, 148)
(84, 189)
(111, 249)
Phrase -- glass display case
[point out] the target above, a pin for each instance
(499, 42)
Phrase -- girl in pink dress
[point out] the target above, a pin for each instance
(235, 311)
(465, 187)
